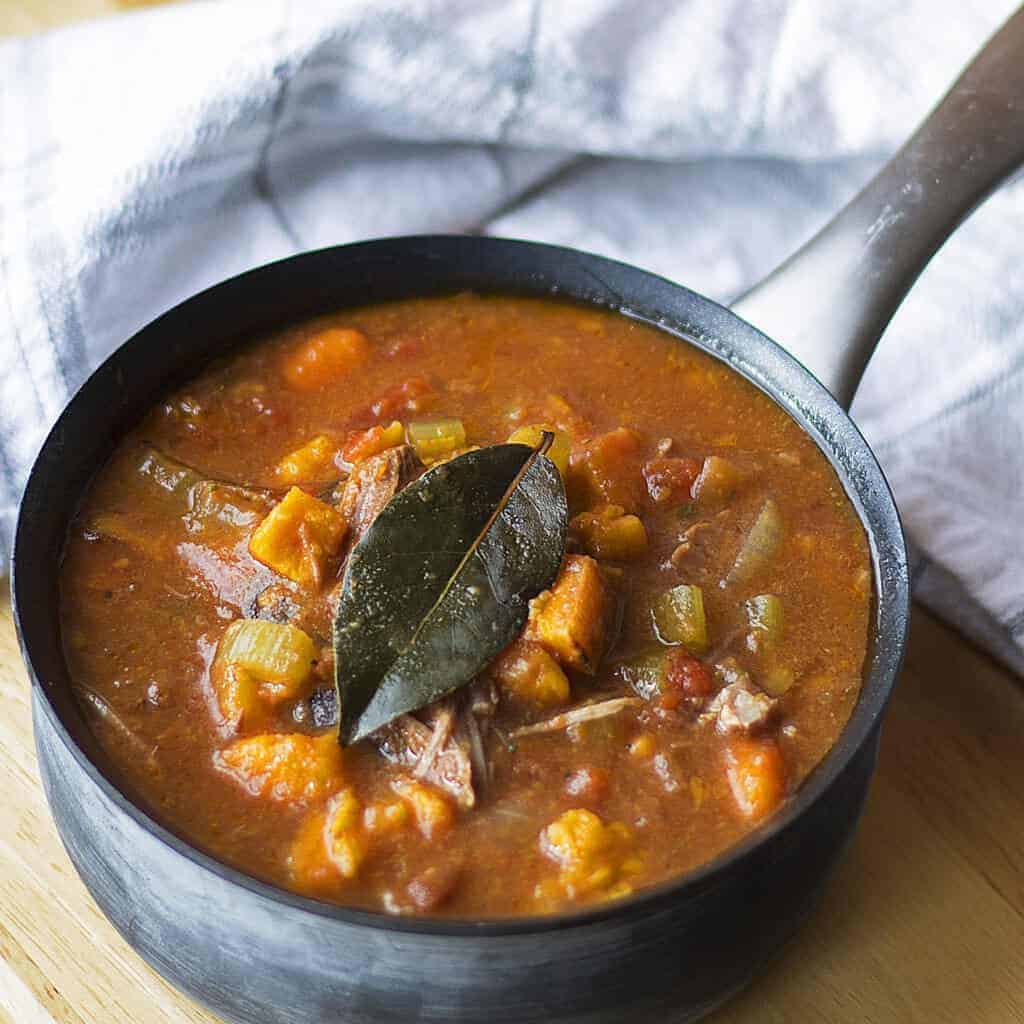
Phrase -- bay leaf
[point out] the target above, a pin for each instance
(441, 581)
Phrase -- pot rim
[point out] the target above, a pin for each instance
(769, 368)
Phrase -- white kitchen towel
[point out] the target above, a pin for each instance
(147, 156)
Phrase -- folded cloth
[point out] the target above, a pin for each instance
(147, 156)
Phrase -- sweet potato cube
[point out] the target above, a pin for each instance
(607, 532)
(330, 845)
(309, 868)
(298, 537)
(314, 462)
(238, 697)
(432, 809)
(607, 470)
(326, 358)
(284, 767)
(529, 673)
(594, 858)
(572, 619)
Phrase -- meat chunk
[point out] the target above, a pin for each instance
(740, 707)
(441, 719)
(474, 725)
(483, 701)
(276, 603)
(323, 708)
(573, 619)
(373, 483)
(406, 740)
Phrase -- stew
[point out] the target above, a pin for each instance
(267, 631)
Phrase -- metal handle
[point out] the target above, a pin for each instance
(829, 303)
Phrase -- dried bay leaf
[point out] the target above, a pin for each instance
(441, 581)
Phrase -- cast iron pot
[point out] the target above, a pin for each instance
(253, 953)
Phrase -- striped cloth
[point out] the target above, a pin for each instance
(147, 156)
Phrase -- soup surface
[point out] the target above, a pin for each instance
(697, 654)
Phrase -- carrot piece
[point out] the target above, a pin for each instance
(756, 774)
(325, 358)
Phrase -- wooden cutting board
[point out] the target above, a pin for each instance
(923, 922)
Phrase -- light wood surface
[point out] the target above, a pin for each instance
(924, 920)
(20, 17)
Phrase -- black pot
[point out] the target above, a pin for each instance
(254, 953)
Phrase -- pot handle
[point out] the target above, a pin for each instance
(829, 303)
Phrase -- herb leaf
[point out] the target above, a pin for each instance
(441, 581)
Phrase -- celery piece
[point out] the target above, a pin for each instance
(777, 679)
(644, 674)
(764, 613)
(760, 544)
(679, 618)
(277, 653)
(717, 482)
(560, 448)
(434, 439)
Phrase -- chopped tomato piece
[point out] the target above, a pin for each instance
(670, 480)
(402, 398)
(687, 675)
(325, 358)
(361, 444)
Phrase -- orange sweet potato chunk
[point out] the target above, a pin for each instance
(573, 618)
(326, 358)
(298, 537)
(314, 462)
(284, 767)
(528, 672)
